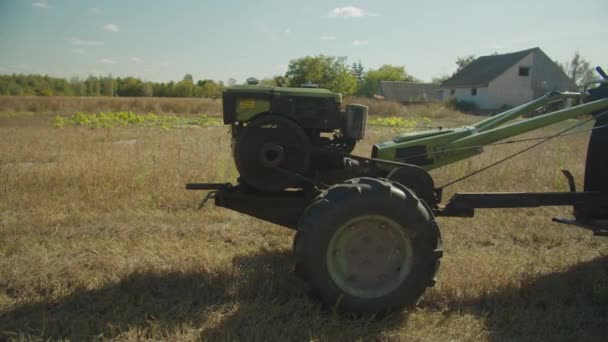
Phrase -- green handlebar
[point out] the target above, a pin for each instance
(436, 148)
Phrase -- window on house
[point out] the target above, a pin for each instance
(524, 71)
(473, 91)
(452, 92)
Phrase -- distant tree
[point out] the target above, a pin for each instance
(371, 82)
(441, 78)
(231, 82)
(578, 69)
(108, 86)
(358, 71)
(160, 89)
(130, 86)
(275, 81)
(183, 88)
(93, 86)
(326, 71)
(268, 82)
(461, 62)
(197, 91)
(77, 86)
(209, 88)
(464, 61)
(148, 89)
(188, 77)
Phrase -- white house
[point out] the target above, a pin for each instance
(509, 79)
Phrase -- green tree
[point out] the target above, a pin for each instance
(326, 71)
(148, 89)
(108, 86)
(372, 79)
(188, 77)
(78, 86)
(183, 88)
(93, 86)
(358, 71)
(209, 88)
(130, 86)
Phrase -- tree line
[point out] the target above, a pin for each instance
(333, 73)
(42, 85)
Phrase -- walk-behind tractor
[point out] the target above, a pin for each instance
(366, 236)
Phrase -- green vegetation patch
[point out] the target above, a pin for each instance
(16, 114)
(401, 122)
(117, 119)
(124, 119)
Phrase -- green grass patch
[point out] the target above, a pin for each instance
(16, 114)
(411, 123)
(117, 119)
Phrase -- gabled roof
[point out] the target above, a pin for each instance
(409, 91)
(480, 72)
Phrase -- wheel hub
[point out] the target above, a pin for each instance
(369, 256)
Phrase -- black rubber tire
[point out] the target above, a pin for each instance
(367, 196)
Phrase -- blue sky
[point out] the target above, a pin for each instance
(163, 40)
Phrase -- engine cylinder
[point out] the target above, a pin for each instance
(354, 121)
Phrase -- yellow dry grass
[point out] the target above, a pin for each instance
(99, 240)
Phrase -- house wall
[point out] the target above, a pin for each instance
(464, 94)
(548, 76)
(510, 89)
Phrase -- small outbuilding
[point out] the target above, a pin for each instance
(507, 80)
(409, 92)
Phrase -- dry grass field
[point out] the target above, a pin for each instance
(99, 240)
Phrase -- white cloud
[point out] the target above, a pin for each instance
(106, 61)
(111, 28)
(22, 67)
(287, 30)
(136, 59)
(95, 10)
(78, 41)
(327, 37)
(41, 4)
(349, 12)
(78, 51)
(357, 42)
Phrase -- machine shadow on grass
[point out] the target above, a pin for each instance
(562, 306)
(259, 299)
(256, 298)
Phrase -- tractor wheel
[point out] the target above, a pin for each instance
(367, 246)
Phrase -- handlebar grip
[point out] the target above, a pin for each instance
(601, 72)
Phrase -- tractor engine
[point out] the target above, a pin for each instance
(284, 137)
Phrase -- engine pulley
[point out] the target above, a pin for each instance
(270, 152)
